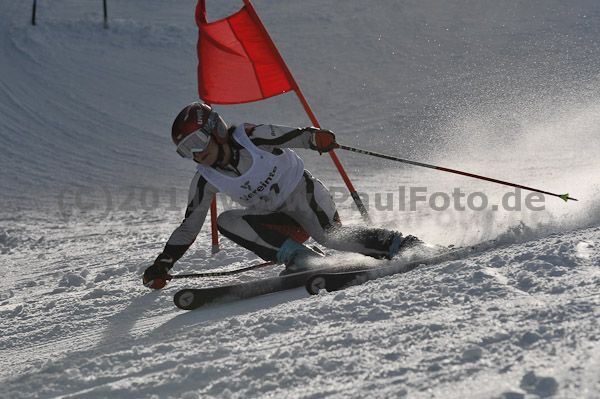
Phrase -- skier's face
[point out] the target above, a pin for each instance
(209, 155)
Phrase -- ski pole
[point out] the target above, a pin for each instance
(565, 197)
(223, 273)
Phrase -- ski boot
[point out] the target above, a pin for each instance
(401, 243)
(296, 256)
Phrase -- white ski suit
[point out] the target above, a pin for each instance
(280, 198)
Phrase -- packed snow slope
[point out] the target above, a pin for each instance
(91, 189)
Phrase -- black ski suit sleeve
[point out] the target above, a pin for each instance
(199, 200)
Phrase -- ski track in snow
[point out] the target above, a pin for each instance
(91, 191)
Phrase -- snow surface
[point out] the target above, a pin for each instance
(92, 188)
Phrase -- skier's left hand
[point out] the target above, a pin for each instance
(323, 140)
(157, 275)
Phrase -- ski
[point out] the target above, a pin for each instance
(331, 278)
(339, 280)
(193, 298)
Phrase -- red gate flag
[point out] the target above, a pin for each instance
(236, 63)
(239, 63)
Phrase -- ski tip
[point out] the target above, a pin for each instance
(566, 198)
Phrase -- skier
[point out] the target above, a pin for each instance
(283, 203)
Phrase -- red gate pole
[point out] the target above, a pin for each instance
(311, 115)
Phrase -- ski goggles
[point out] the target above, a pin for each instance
(195, 142)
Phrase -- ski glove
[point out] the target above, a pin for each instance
(157, 275)
(323, 140)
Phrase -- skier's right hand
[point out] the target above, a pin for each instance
(323, 140)
(157, 275)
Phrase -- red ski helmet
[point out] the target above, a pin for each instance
(199, 117)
